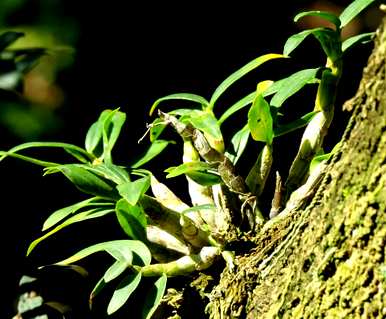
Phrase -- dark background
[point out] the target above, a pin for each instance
(127, 54)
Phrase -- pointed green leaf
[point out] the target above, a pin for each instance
(153, 299)
(156, 128)
(321, 14)
(295, 40)
(180, 96)
(155, 148)
(124, 247)
(239, 143)
(299, 123)
(132, 220)
(115, 270)
(90, 214)
(93, 136)
(204, 178)
(245, 101)
(62, 213)
(132, 191)
(111, 130)
(187, 168)
(9, 37)
(362, 38)
(352, 10)
(318, 159)
(96, 290)
(206, 122)
(292, 84)
(112, 172)
(330, 42)
(260, 121)
(28, 159)
(85, 180)
(67, 147)
(125, 288)
(239, 74)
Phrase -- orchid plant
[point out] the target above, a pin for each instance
(167, 236)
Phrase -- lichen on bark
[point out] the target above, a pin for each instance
(328, 260)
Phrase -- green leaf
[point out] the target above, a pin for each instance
(205, 178)
(363, 38)
(62, 213)
(90, 214)
(125, 288)
(292, 84)
(96, 290)
(155, 148)
(111, 130)
(323, 157)
(352, 10)
(67, 147)
(180, 96)
(187, 168)
(93, 136)
(85, 180)
(132, 191)
(293, 41)
(28, 159)
(239, 74)
(156, 128)
(239, 143)
(123, 247)
(112, 172)
(153, 298)
(9, 37)
(132, 220)
(321, 14)
(115, 270)
(245, 101)
(299, 123)
(330, 42)
(260, 121)
(206, 122)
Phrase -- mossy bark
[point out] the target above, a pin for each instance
(328, 260)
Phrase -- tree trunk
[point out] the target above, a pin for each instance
(328, 260)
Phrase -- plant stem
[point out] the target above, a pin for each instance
(316, 130)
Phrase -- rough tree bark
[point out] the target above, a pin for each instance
(328, 260)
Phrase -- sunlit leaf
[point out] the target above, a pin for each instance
(112, 128)
(95, 133)
(239, 143)
(122, 293)
(204, 178)
(124, 247)
(362, 38)
(153, 298)
(299, 123)
(64, 146)
(187, 168)
(352, 10)
(318, 159)
(240, 73)
(132, 191)
(132, 219)
(321, 14)
(155, 148)
(295, 40)
(28, 159)
(83, 216)
(199, 207)
(206, 122)
(180, 96)
(112, 172)
(115, 270)
(260, 121)
(85, 180)
(63, 213)
(292, 84)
